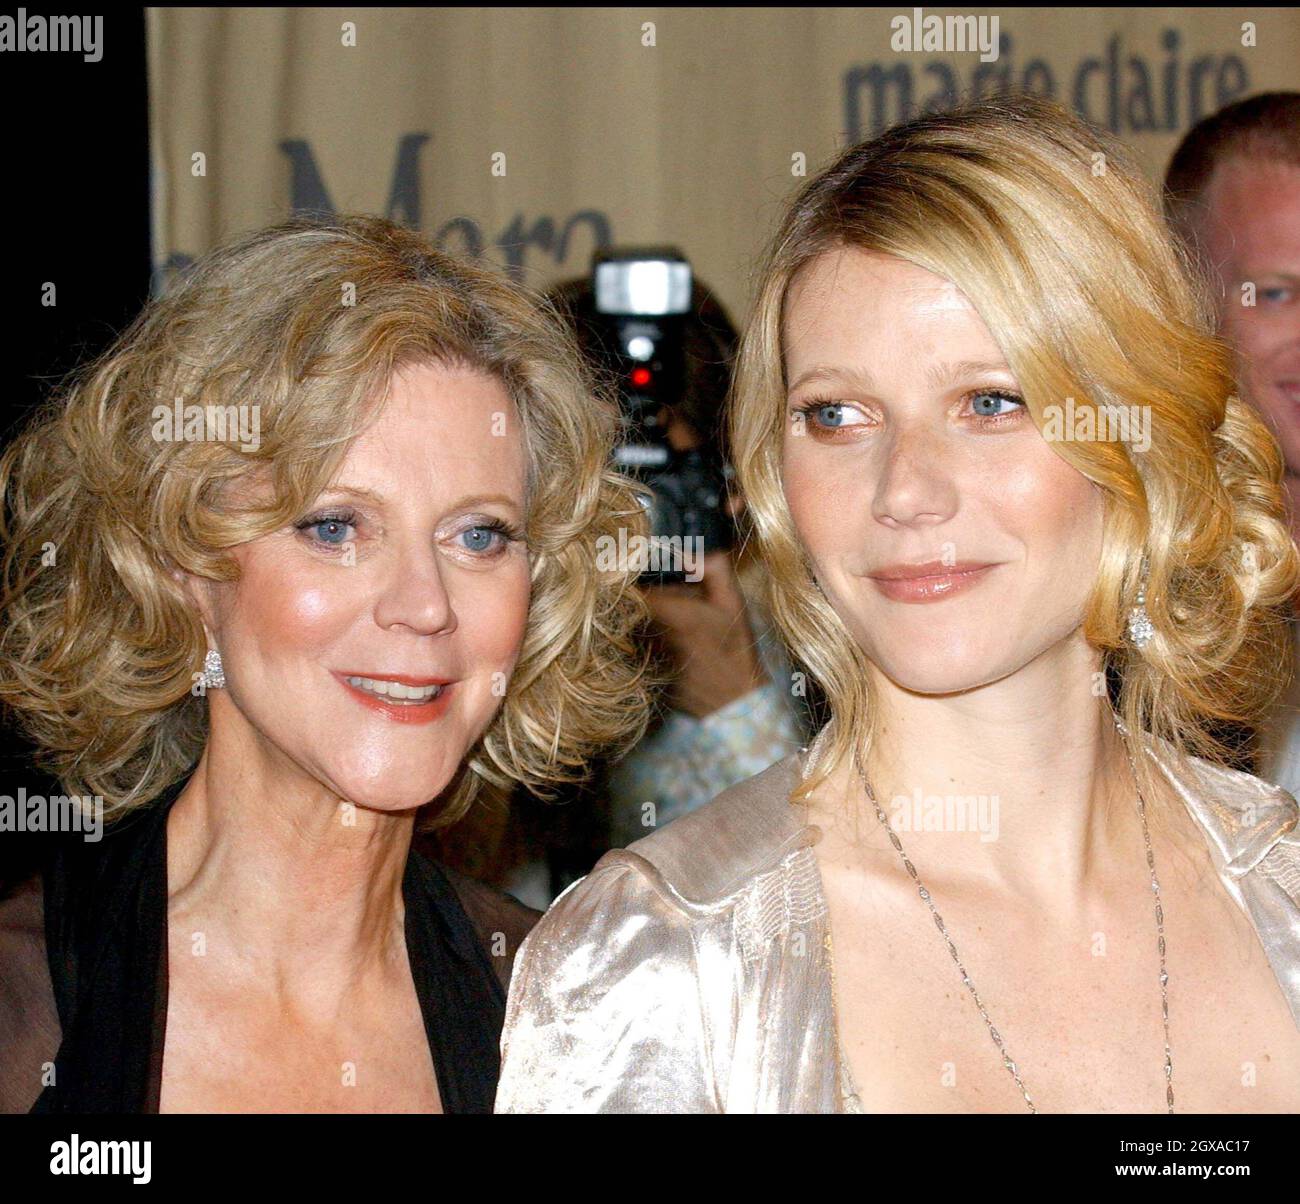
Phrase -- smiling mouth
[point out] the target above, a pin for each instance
(396, 691)
(400, 699)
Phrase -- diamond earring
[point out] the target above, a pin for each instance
(214, 677)
(1140, 629)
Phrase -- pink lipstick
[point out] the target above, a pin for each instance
(397, 696)
(929, 582)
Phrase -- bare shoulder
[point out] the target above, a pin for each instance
(29, 1022)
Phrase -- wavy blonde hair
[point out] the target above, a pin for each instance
(1050, 230)
(311, 317)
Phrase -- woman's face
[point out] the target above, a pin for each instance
(906, 446)
(370, 642)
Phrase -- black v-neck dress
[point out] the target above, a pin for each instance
(105, 915)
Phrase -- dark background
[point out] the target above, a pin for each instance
(78, 199)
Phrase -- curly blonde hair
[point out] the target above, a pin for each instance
(311, 317)
(1050, 230)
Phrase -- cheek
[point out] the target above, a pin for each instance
(810, 483)
(283, 608)
(1054, 509)
(1251, 334)
(493, 614)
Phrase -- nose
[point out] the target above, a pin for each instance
(414, 596)
(916, 485)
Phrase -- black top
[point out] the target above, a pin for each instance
(105, 909)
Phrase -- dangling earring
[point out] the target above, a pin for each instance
(1140, 629)
(214, 677)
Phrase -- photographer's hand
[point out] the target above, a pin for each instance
(707, 631)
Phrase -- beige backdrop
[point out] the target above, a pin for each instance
(532, 135)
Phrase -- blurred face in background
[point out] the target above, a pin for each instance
(950, 538)
(369, 643)
(1251, 233)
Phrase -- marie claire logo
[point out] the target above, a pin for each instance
(651, 554)
(917, 34)
(179, 423)
(1103, 423)
(946, 813)
(57, 813)
(27, 34)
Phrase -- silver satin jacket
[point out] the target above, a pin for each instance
(690, 971)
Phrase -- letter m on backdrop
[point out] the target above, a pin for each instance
(308, 194)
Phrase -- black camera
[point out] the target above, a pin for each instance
(643, 304)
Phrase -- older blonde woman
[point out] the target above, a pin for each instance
(1033, 548)
(324, 526)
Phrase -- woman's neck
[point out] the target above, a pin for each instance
(1022, 785)
(296, 883)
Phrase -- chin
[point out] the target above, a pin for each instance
(391, 802)
(936, 682)
(940, 670)
(403, 785)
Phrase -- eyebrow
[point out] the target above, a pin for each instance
(479, 499)
(466, 502)
(937, 377)
(947, 374)
(859, 378)
(351, 491)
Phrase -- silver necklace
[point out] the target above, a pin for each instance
(1007, 1060)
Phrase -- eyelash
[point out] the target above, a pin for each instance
(812, 405)
(348, 518)
(345, 518)
(508, 531)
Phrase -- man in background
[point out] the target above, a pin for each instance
(1232, 193)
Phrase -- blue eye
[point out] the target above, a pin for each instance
(481, 538)
(829, 414)
(997, 397)
(332, 529)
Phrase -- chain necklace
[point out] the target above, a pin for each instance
(1007, 1060)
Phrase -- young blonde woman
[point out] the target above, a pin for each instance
(324, 526)
(1013, 872)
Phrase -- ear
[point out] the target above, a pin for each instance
(197, 591)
